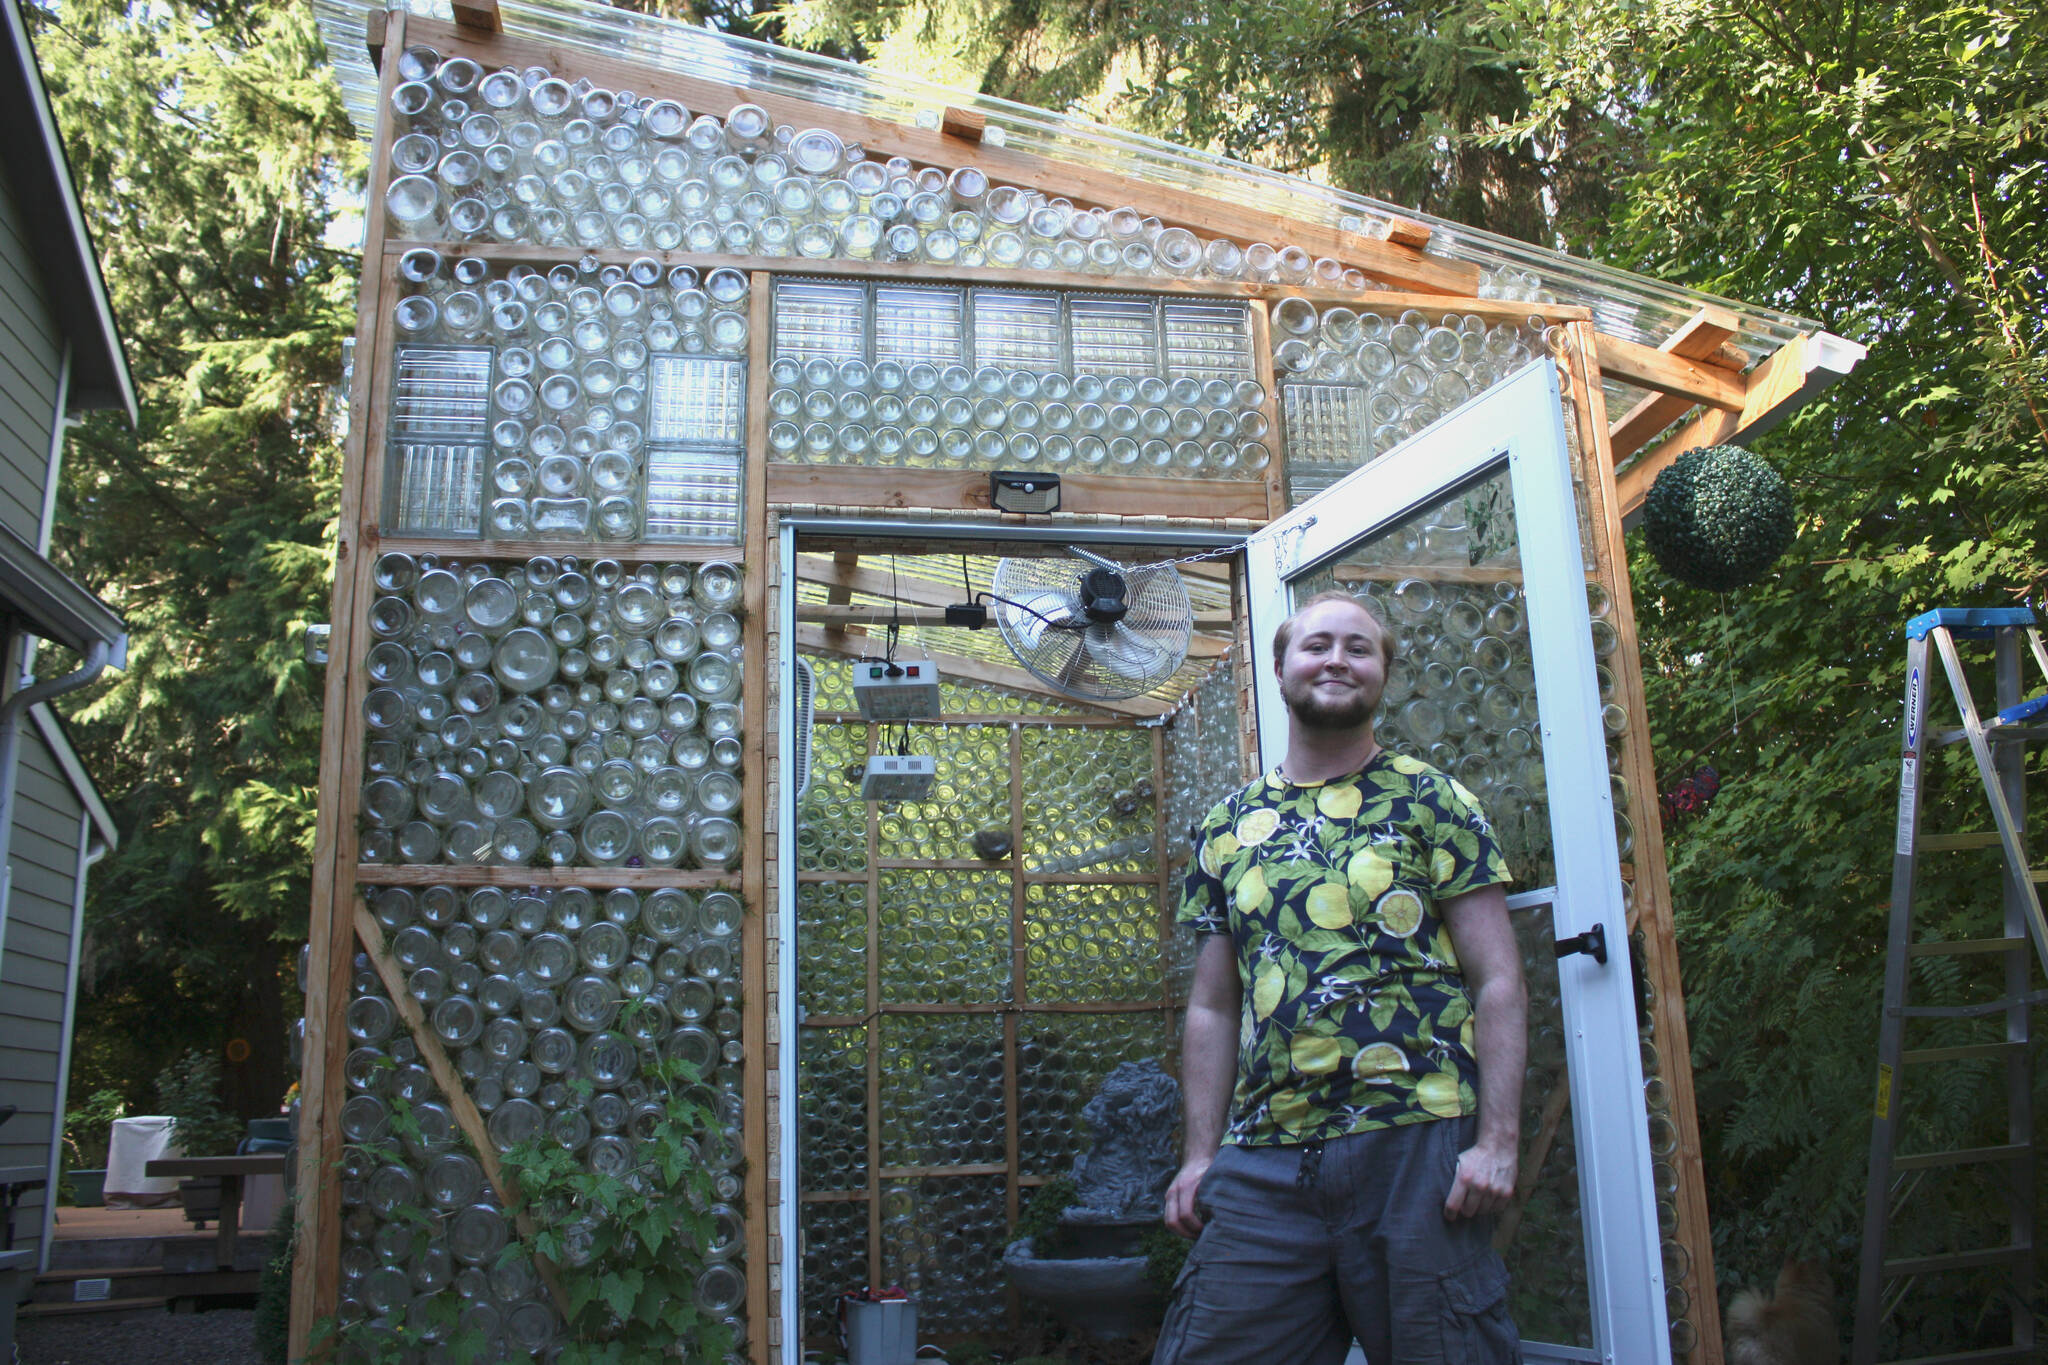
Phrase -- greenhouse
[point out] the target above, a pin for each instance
(731, 888)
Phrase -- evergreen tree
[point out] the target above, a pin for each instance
(1385, 99)
(210, 151)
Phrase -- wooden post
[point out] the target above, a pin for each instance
(316, 1268)
(1652, 910)
(1262, 357)
(761, 1050)
(1163, 873)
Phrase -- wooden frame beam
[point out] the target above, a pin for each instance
(1699, 339)
(1801, 368)
(454, 1091)
(818, 640)
(1669, 373)
(968, 490)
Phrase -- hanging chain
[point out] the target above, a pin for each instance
(1220, 552)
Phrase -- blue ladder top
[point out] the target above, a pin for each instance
(1970, 623)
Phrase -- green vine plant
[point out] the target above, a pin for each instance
(431, 1327)
(627, 1249)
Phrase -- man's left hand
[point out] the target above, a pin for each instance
(1485, 1183)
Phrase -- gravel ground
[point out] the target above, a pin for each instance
(221, 1337)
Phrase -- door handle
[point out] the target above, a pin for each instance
(1593, 941)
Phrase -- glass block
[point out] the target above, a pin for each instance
(1208, 340)
(919, 325)
(1089, 801)
(942, 1090)
(1114, 335)
(1093, 943)
(698, 399)
(832, 947)
(1406, 371)
(1062, 1060)
(1328, 433)
(1014, 330)
(434, 489)
(694, 494)
(832, 1085)
(943, 1240)
(441, 393)
(820, 318)
(945, 937)
(440, 412)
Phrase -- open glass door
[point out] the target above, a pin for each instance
(1466, 539)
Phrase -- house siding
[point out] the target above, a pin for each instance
(31, 351)
(35, 964)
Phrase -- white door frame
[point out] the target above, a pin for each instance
(888, 534)
(1519, 423)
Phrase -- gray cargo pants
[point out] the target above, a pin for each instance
(1306, 1247)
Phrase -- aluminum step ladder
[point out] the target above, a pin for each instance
(1997, 744)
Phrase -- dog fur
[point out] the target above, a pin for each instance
(1794, 1325)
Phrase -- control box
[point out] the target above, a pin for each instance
(910, 693)
(899, 777)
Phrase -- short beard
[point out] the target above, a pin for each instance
(1329, 716)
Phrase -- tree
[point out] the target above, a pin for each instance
(1384, 99)
(210, 151)
(1880, 167)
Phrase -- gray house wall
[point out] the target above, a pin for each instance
(40, 890)
(31, 365)
(36, 965)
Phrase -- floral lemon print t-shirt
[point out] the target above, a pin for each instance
(1355, 1015)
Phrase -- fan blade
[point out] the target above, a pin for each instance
(1028, 618)
(1130, 654)
(1062, 676)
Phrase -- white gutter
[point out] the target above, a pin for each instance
(11, 712)
(90, 851)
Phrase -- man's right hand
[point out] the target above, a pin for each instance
(1181, 1214)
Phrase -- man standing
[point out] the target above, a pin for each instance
(1357, 976)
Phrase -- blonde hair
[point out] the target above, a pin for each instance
(1284, 632)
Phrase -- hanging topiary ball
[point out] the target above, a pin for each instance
(1717, 518)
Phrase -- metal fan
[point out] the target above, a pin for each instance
(1092, 628)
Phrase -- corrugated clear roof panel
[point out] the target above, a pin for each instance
(1631, 306)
